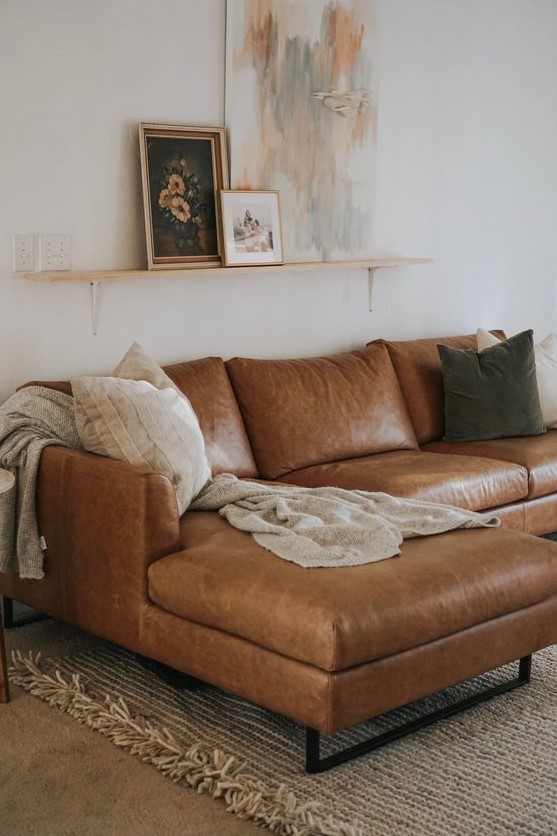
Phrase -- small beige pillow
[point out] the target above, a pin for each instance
(137, 365)
(135, 422)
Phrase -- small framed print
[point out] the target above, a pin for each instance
(251, 228)
(183, 170)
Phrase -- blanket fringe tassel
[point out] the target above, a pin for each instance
(216, 773)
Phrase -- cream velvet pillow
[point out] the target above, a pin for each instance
(545, 354)
(135, 422)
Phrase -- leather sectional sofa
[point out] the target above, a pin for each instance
(329, 648)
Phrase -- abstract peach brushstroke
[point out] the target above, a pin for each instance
(301, 112)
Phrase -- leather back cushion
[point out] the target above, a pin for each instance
(303, 412)
(206, 384)
(418, 368)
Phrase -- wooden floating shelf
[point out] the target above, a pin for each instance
(94, 276)
(97, 277)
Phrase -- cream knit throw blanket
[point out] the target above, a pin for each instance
(29, 420)
(329, 526)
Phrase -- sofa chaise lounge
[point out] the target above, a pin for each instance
(329, 648)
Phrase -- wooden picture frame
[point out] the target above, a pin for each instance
(251, 227)
(182, 170)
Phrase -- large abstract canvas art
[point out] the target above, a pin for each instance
(301, 112)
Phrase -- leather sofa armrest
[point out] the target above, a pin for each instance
(104, 523)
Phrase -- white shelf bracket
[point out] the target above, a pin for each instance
(370, 277)
(95, 302)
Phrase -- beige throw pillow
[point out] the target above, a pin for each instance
(137, 365)
(545, 354)
(135, 422)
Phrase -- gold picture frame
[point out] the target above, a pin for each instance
(251, 228)
(183, 170)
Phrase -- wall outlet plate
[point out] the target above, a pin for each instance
(55, 252)
(23, 253)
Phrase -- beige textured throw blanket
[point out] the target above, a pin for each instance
(329, 526)
(29, 420)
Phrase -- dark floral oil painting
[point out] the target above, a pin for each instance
(183, 170)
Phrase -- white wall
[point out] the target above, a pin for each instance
(466, 174)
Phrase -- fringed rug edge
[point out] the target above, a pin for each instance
(219, 774)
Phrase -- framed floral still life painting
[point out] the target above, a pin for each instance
(251, 228)
(183, 170)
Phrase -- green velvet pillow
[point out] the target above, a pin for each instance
(491, 393)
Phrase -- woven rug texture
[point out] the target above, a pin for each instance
(490, 771)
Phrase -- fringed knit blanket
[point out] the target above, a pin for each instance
(329, 526)
(29, 420)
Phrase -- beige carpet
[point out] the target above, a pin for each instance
(58, 778)
(491, 770)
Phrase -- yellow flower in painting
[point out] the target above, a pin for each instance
(180, 209)
(180, 201)
(164, 199)
(176, 184)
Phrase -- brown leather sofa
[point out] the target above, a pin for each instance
(327, 647)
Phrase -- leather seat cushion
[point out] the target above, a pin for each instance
(466, 481)
(536, 453)
(337, 618)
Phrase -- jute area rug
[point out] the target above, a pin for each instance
(491, 770)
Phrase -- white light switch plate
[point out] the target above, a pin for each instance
(55, 252)
(24, 253)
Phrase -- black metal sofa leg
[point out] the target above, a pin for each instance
(7, 612)
(8, 615)
(315, 763)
